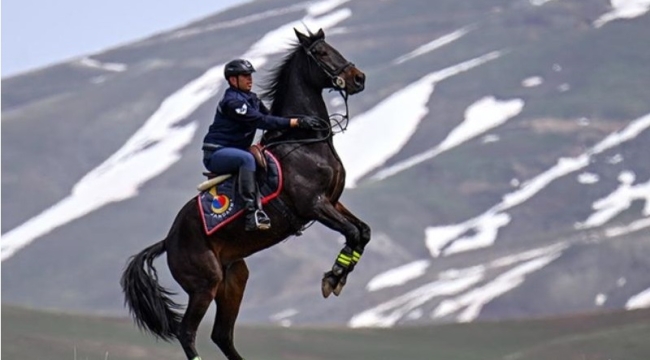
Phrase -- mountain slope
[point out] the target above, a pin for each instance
(499, 152)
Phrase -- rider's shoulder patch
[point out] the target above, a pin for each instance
(240, 107)
(241, 110)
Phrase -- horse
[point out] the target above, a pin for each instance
(213, 267)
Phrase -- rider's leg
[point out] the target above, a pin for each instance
(227, 160)
(232, 160)
(255, 216)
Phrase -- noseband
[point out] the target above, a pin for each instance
(333, 73)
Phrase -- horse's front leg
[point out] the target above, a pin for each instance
(357, 251)
(357, 235)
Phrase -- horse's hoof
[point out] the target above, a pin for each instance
(328, 284)
(337, 290)
(326, 288)
(339, 286)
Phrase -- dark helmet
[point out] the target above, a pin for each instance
(238, 67)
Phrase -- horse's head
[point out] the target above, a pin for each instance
(334, 71)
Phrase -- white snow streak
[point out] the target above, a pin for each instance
(148, 153)
(239, 22)
(632, 227)
(490, 138)
(433, 45)
(588, 178)
(445, 237)
(284, 314)
(313, 9)
(483, 115)
(618, 201)
(399, 275)
(623, 9)
(639, 301)
(532, 81)
(116, 67)
(473, 301)
(390, 312)
(539, 2)
(454, 281)
(615, 159)
(388, 126)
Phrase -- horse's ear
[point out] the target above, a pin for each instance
(302, 38)
(320, 34)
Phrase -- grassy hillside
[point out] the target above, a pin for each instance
(28, 334)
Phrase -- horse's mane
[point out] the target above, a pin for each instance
(275, 87)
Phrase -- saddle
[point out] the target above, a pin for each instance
(214, 179)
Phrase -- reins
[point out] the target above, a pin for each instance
(334, 73)
(327, 126)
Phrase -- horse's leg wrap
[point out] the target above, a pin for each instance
(356, 256)
(343, 261)
(344, 264)
(346, 261)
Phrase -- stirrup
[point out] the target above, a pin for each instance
(262, 221)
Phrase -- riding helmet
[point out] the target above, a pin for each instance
(238, 67)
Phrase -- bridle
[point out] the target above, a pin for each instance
(332, 72)
(338, 82)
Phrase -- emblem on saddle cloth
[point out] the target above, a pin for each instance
(221, 203)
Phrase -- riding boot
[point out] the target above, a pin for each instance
(255, 217)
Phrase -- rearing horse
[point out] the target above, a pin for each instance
(212, 267)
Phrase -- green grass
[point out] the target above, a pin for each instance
(30, 334)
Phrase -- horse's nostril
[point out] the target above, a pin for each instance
(359, 79)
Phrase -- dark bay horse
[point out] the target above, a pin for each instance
(212, 268)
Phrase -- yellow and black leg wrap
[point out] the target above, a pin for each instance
(356, 256)
(346, 260)
(345, 257)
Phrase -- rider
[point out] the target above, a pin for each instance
(225, 147)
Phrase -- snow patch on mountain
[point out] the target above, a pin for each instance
(446, 239)
(481, 116)
(382, 135)
(618, 201)
(92, 63)
(623, 9)
(454, 281)
(399, 275)
(433, 45)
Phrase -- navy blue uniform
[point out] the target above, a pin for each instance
(238, 116)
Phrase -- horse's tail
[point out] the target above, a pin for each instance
(149, 303)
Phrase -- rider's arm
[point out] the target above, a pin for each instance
(264, 110)
(240, 110)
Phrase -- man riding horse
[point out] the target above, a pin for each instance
(211, 267)
(239, 114)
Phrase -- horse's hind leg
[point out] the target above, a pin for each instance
(197, 306)
(197, 270)
(228, 299)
